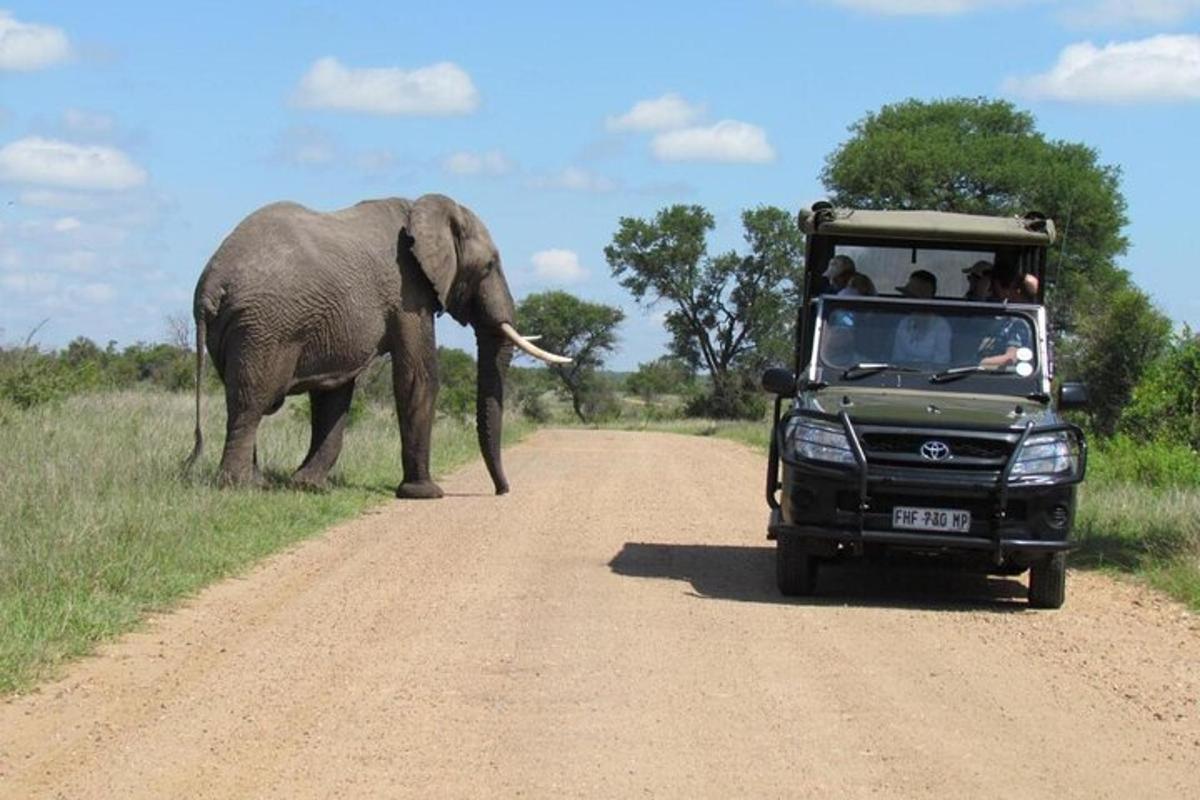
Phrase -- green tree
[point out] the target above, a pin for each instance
(1115, 345)
(1166, 403)
(730, 314)
(661, 376)
(584, 332)
(456, 378)
(981, 156)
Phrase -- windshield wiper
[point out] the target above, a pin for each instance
(864, 368)
(959, 372)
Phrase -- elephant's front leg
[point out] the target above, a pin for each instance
(415, 383)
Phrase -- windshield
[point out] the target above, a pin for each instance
(926, 343)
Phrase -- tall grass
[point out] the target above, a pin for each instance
(96, 528)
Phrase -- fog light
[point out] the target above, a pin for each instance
(1058, 517)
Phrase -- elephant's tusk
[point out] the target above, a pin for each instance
(530, 348)
(533, 337)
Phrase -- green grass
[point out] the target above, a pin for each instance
(96, 529)
(1138, 513)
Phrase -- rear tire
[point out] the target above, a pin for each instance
(795, 568)
(1048, 582)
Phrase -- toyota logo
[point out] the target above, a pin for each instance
(933, 450)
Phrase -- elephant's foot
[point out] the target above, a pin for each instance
(419, 490)
(309, 482)
(253, 479)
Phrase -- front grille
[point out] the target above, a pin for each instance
(965, 451)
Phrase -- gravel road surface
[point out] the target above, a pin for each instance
(611, 629)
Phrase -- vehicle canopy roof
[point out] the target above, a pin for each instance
(887, 246)
(824, 219)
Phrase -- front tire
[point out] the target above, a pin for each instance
(1048, 582)
(795, 568)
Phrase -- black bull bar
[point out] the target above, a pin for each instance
(996, 488)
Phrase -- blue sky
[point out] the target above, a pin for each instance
(134, 136)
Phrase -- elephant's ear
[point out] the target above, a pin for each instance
(434, 226)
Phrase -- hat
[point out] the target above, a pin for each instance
(839, 266)
(978, 269)
(923, 276)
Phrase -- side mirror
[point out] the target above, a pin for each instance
(1072, 396)
(778, 380)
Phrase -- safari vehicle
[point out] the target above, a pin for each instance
(951, 448)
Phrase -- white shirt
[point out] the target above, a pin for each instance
(922, 339)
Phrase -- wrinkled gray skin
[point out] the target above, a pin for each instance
(299, 301)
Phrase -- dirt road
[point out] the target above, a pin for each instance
(611, 629)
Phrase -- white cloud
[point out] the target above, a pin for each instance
(1156, 69)
(437, 90)
(29, 282)
(66, 224)
(727, 141)
(561, 266)
(575, 179)
(491, 162)
(29, 46)
(50, 162)
(1127, 12)
(61, 201)
(661, 113)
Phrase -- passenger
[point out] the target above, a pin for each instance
(839, 341)
(979, 281)
(859, 285)
(1011, 286)
(837, 274)
(922, 337)
(1011, 335)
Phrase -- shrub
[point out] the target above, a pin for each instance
(1166, 403)
(1157, 464)
(1117, 340)
(29, 378)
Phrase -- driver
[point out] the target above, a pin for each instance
(922, 337)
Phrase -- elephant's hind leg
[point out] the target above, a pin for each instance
(330, 413)
(239, 460)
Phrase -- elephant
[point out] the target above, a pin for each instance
(298, 301)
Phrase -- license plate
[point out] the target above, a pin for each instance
(931, 519)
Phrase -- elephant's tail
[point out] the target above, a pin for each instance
(198, 448)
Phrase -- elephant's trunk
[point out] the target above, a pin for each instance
(494, 354)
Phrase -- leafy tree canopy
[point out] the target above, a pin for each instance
(1114, 347)
(730, 313)
(982, 156)
(584, 332)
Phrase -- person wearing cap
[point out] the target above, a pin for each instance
(837, 274)
(921, 337)
(979, 281)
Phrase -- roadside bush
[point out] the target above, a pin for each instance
(456, 374)
(736, 398)
(1166, 403)
(1117, 340)
(29, 379)
(1157, 464)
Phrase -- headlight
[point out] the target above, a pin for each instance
(817, 441)
(1049, 454)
